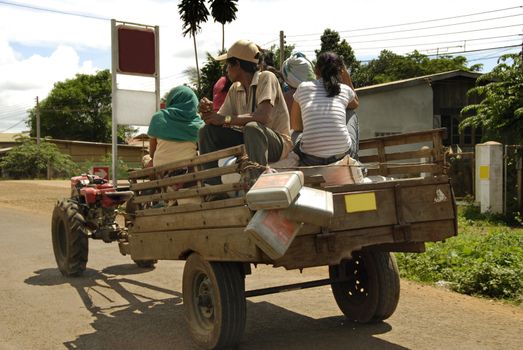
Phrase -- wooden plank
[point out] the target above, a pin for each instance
(169, 181)
(310, 251)
(416, 169)
(422, 153)
(185, 208)
(369, 159)
(407, 182)
(427, 203)
(401, 139)
(203, 191)
(215, 218)
(385, 213)
(382, 159)
(202, 159)
(225, 244)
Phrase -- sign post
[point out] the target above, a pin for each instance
(134, 51)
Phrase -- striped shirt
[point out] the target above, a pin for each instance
(325, 131)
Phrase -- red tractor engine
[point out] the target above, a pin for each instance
(98, 201)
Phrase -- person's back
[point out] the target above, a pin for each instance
(174, 129)
(320, 109)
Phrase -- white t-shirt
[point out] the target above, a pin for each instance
(325, 131)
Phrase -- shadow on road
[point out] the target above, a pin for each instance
(151, 317)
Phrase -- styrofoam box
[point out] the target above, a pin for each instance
(311, 206)
(272, 232)
(275, 190)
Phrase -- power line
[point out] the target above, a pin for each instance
(440, 34)
(12, 126)
(411, 23)
(37, 8)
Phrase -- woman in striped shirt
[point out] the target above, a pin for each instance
(320, 108)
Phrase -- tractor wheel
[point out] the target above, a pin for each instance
(70, 241)
(214, 302)
(145, 264)
(371, 290)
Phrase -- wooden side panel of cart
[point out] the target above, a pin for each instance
(407, 212)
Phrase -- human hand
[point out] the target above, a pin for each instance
(212, 118)
(205, 106)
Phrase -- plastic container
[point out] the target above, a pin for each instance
(272, 232)
(311, 206)
(275, 190)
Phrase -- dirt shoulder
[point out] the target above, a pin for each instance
(37, 196)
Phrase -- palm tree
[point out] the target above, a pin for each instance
(193, 13)
(223, 11)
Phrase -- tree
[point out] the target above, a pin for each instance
(223, 11)
(29, 160)
(330, 41)
(210, 73)
(193, 13)
(391, 67)
(275, 50)
(500, 111)
(79, 109)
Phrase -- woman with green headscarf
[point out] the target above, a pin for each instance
(174, 129)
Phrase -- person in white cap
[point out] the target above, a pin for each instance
(254, 112)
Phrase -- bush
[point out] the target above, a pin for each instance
(29, 160)
(480, 263)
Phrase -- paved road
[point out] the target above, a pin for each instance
(119, 306)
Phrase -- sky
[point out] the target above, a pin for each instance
(46, 41)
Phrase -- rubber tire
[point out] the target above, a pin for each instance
(372, 292)
(145, 264)
(226, 324)
(70, 241)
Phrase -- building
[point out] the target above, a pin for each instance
(420, 103)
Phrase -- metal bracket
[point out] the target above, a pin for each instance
(325, 237)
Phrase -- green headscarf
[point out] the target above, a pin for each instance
(179, 121)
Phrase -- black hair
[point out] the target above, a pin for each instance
(247, 66)
(329, 65)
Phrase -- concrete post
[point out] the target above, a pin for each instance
(489, 176)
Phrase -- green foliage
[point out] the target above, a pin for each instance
(28, 161)
(390, 67)
(500, 112)
(211, 72)
(223, 11)
(192, 13)
(485, 259)
(79, 109)
(274, 51)
(330, 41)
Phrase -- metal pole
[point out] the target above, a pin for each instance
(505, 180)
(114, 60)
(282, 48)
(37, 121)
(157, 63)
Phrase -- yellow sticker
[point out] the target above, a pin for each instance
(484, 172)
(360, 202)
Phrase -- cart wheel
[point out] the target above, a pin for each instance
(214, 302)
(70, 242)
(371, 292)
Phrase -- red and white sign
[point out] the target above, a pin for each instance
(101, 171)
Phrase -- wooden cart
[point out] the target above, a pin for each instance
(356, 246)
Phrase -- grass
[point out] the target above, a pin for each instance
(485, 259)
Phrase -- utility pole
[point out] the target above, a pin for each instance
(37, 121)
(282, 48)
